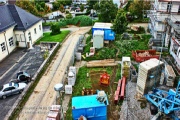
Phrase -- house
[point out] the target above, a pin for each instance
(18, 28)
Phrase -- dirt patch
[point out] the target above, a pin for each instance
(113, 110)
(95, 77)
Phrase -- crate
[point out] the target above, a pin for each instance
(68, 89)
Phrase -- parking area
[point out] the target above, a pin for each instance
(28, 60)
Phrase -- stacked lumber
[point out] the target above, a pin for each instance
(101, 63)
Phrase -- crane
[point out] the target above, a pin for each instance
(166, 102)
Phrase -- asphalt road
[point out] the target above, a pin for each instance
(29, 63)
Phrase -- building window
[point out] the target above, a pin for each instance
(3, 48)
(169, 5)
(179, 9)
(29, 36)
(11, 42)
(39, 27)
(35, 31)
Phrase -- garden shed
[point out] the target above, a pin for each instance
(98, 39)
(106, 27)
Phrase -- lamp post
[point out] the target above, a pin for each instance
(58, 88)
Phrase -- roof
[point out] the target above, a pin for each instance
(151, 63)
(102, 25)
(7, 20)
(14, 15)
(98, 32)
(86, 102)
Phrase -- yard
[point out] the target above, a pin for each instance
(114, 50)
(53, 38)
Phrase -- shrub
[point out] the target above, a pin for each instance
(69, 16)
(55, 28)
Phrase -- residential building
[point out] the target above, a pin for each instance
(162, 9)
(165, 26)
(18, 28)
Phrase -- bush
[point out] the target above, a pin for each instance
(62, 24)
(55, 28)
(69, 16)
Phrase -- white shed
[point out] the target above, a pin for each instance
(98, 39)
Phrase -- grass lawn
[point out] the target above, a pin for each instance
(53, 38)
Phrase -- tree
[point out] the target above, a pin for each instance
(120, 23)
(55, 28)
(82, 7)
(91, 3)
(107, 10)
(137, 8)
(36, 7)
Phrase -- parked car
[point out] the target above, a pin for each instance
(11, 89)
(22, 77)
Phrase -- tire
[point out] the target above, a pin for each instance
(20, 91)
(4, 97)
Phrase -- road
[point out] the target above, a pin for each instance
(36, 108)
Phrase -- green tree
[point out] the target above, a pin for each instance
(120, 23)
(107, 10)
(82, 7)
(36, 7)
(138, 8)
(90, 3)
(55, 29)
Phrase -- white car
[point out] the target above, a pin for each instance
(11, 88)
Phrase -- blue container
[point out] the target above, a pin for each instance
(89, 107)
(108, 33)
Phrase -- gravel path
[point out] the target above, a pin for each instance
(37, 107)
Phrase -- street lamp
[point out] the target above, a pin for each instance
(58, 88)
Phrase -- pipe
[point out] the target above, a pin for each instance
(6, 41)
(25, 38)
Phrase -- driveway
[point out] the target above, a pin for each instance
(30, 61)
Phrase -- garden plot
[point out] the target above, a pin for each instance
(95, 77)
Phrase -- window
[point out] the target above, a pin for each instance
(179, 9)
(29, 36)
(11, 42)
(39, 27)
(3, 48)
(35, 31)
(169, 6)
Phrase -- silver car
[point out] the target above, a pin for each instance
(11, 88)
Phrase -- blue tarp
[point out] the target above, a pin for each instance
(89, 107)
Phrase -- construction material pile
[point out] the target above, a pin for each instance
(101, 63)
(144, 54)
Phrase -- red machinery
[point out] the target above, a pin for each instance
(120, 92)
(143, 55)
(104, 79)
